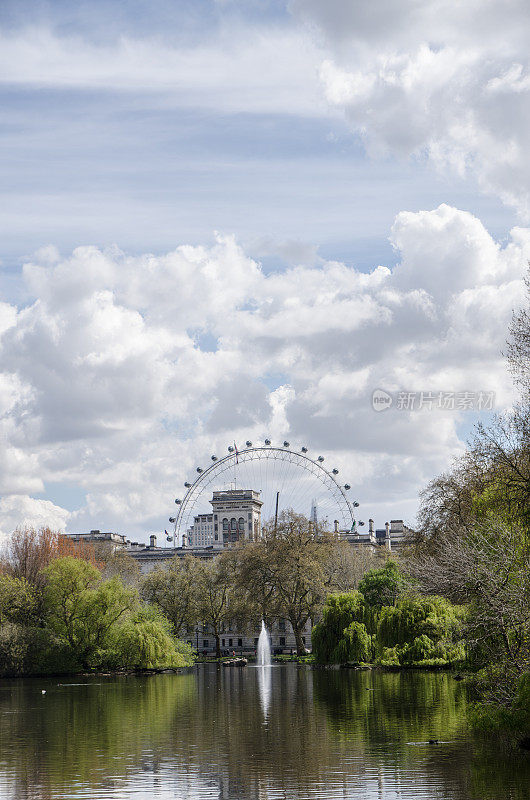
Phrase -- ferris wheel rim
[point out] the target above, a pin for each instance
(234, 455)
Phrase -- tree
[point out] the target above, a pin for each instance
(29, 551)
(82, 609)
(382, 587)
(17, 599)
(285, 569)
(116, 562)
(344, 565)
(216, 594)
(519, 345)
(489, 570)
(174, 589)
(328, 636)
(145, 641)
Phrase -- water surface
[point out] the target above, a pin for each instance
(279, 733)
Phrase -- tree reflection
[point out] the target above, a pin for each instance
(339, 733)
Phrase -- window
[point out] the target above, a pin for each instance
(303, 639)
(225, 524)
(240, 642)
(230, 643)
(233, 524)
(255, 642)
(223, 642)
(281, 625)
(241, 524)
(205, 644)
(282, 641)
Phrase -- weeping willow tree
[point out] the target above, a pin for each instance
(342, 634)
(410, 630)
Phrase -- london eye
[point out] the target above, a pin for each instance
(285, 477)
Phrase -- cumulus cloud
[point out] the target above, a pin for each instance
(443, 80)
(123, 373)
(22, 511)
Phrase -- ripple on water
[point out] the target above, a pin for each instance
(240, 735)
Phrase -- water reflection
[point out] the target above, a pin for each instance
(265, 684)
(201, 735)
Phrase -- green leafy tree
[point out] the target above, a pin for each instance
(339, 612)
(174, 589)
(382, 587)
(145, 641)
(82, 609)
(17, 600)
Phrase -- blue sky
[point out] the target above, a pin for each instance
(306, 133)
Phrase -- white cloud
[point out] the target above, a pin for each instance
(239, 69)
(445, 80)
(22, 511)
(124, 373)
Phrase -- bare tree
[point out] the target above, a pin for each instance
(488, 569)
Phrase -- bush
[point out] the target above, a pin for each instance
(26, 650)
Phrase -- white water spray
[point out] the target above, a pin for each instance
(264, 647)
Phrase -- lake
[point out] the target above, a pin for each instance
(254, 733)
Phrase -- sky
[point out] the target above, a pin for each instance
(226, 220)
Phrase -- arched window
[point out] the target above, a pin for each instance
(225, 524)
(233, 524)
(241, 524)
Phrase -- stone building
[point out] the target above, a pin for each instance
(116, 541)
(282, 638)
(235, 516)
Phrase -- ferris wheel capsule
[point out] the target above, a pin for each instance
(335, 471)
(304, 449)
(355, 504)
(320, 458)
(187, 484)
(214, 458)
(267, 441)
(286, 444)
(230, 449)
(347, 486)
(360, 523)
(172, 519)
(199, 470)
(178, 501)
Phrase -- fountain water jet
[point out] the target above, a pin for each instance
(264, 647)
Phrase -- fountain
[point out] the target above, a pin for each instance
(264, 647)
(264, 671)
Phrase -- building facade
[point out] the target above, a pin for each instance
(235, 517)
(232, 640)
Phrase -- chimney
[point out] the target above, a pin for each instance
(152, 540)
(336, 524)
(387, 536)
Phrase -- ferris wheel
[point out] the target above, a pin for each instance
(285, 478)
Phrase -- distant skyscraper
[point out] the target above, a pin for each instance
(313, 517)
